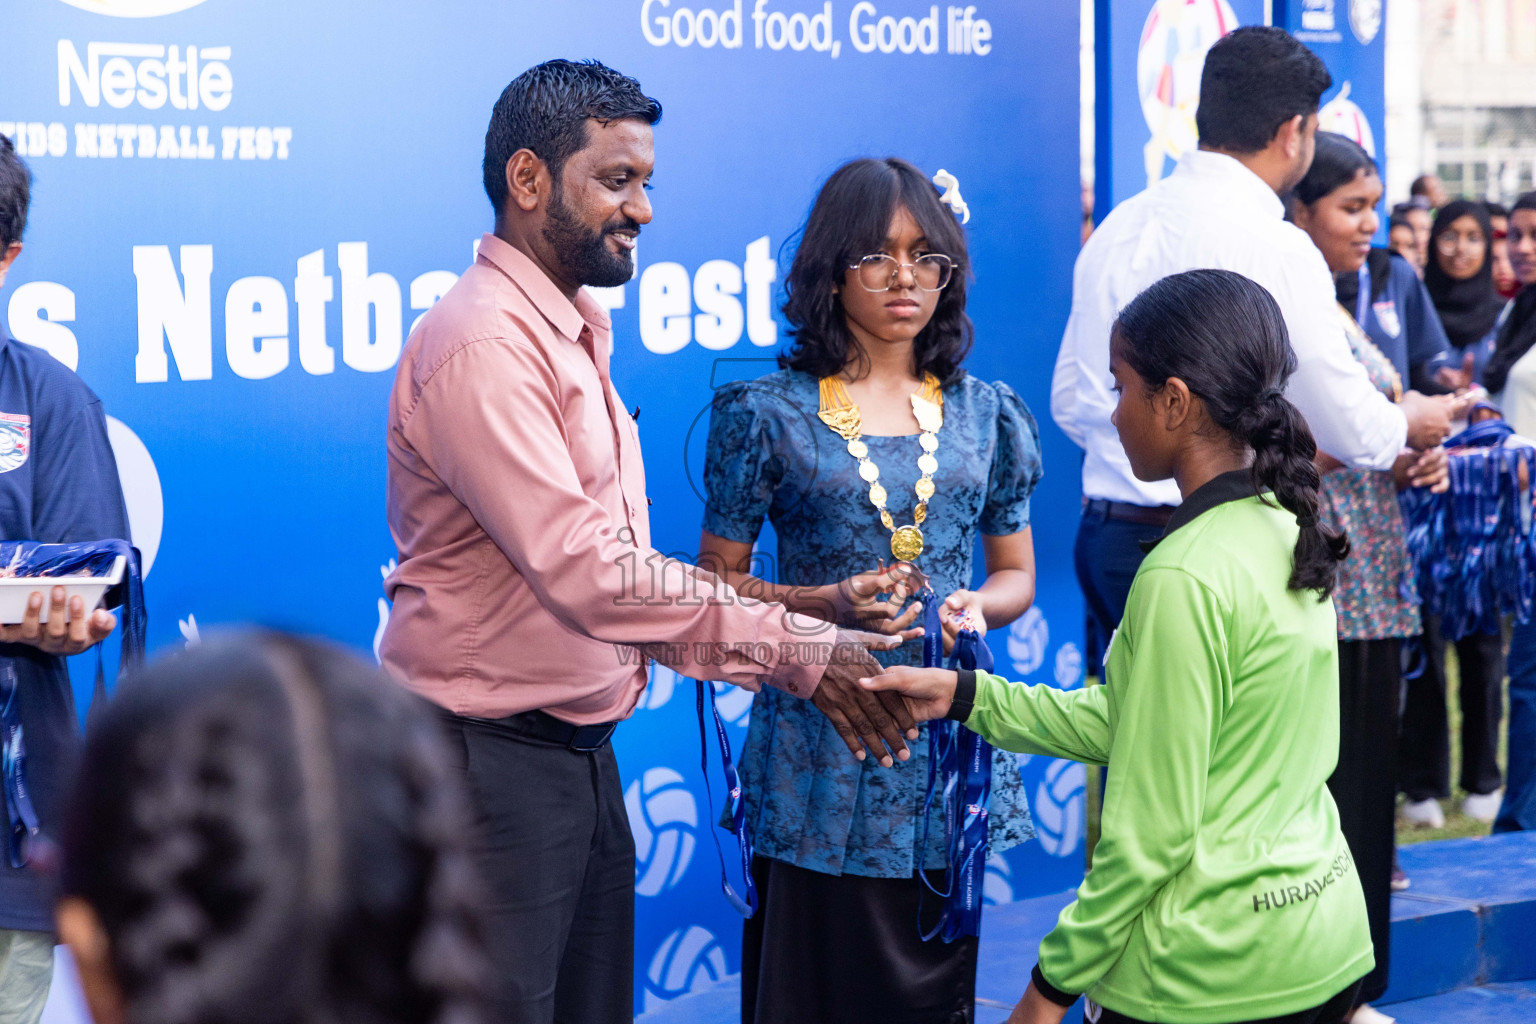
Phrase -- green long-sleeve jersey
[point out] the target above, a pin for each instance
(1222, 888)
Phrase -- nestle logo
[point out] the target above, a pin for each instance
(146, 74)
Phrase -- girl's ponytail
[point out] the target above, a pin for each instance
(1283, 454)
(1224, 337)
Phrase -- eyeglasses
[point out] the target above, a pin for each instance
(878, 272)
(1448, 242)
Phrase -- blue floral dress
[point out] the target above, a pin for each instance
(809, 802)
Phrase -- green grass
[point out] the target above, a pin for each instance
(1457, 825)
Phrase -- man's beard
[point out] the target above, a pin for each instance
(583, 253)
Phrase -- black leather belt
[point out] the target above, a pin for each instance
(1142, 515)
(541, 726)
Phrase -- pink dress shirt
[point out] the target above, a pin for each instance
(516, 498)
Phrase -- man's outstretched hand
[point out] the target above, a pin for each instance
(863, 718)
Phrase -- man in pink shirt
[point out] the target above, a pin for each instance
(528, 597)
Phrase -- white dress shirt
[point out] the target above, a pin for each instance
(1212, 212)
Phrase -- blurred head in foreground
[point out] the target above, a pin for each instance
(265, 829)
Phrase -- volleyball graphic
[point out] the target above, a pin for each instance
(1060, 805)
(687, 959)
(141, 490)
(1169, 59)
(659, 690)
(1027, 639)
(1069, 666)
(662, 817)
(997, 886)
(735, 704)
(1342, 116)
(133, 8)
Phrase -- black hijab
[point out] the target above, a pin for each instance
(1469, 308)
(1518, 334)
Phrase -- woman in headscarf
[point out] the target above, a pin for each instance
(1460, 281)
(1512, 378)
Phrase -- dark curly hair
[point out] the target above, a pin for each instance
(545, 109)
(271, 833)
(1224, 337)
(850, 220)
(15, 194)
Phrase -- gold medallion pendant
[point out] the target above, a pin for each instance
(840, 414)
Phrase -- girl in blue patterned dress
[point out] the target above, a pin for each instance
(871, 452)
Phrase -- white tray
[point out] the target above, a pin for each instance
(14, 591)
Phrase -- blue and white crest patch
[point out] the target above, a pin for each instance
(15, 440)
(1386, 316)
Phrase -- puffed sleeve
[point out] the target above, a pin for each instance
(1016, 466)
(741, 471)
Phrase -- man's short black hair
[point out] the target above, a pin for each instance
(1255, 80)
(545, 109)
(15, 195)
(1420, 186)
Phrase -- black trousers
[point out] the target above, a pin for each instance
(1106, 556)
(1364, 785)
(1332, 1012)
(1425, 759)
(558, 861)
(844, 949)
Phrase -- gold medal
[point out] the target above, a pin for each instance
(907, 543)
(840, 414)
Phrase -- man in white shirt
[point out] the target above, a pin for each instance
(1220, 209)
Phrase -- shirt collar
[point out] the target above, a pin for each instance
(1233, 486)
(565, 316)
(1205, 163)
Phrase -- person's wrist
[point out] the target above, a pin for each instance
(964, 698)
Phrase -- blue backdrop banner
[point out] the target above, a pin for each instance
(241, 208)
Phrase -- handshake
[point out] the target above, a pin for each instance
(877, 708)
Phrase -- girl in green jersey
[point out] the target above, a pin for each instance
(1222, 889)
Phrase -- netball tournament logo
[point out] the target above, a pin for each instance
(1342, 116)
(133, 8)
(15, 440)
(1365, 19)
(1177, 36)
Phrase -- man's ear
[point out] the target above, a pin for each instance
(1290, 135)
(528, 180)
(7, 257)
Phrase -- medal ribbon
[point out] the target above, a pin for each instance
(1363, 300)
(747, 906)
(55, 564)
(20, 813)
(960, 768)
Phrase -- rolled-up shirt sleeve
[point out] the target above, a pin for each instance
(488, 422)
(1350, 419)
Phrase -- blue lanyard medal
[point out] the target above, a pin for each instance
(53, 563)
(745, 904)
(960, 770)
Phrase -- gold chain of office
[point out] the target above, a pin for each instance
(838, 412)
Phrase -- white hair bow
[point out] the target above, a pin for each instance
(949, 193)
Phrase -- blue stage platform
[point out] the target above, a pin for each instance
(1463, 943)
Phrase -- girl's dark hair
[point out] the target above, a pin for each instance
(270, 831)
(850, 220)
(1224, 337)
(1339, 160)
(1518, 334)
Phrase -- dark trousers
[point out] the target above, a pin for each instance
(1518, 812)
(1332, 1012)
(845, 949)
(1425, 756)
(1364, 785)
(558, 862)
(1107, 555)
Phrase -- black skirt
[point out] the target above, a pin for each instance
(845, 949)
(1364, 785)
